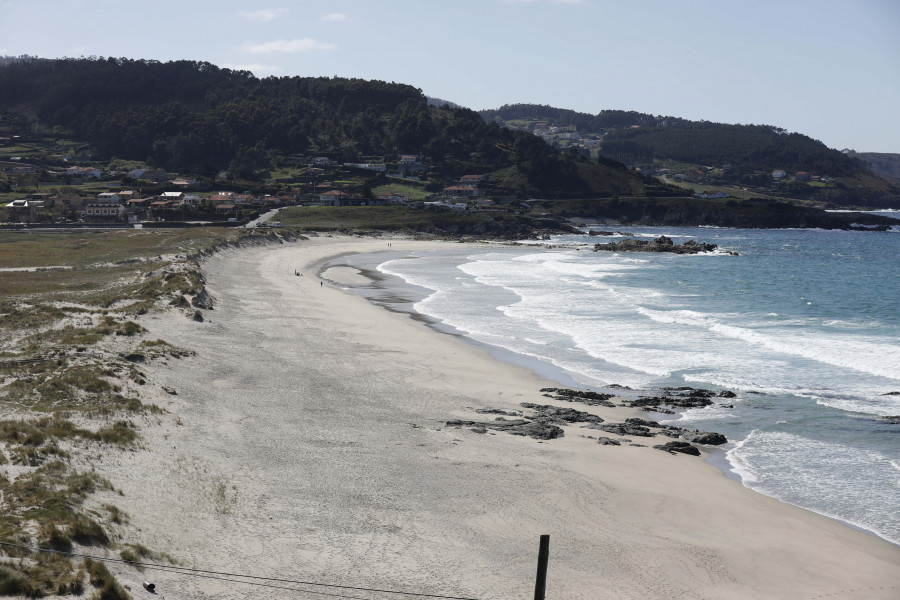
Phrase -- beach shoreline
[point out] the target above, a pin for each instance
(308, 440)
(358, 273)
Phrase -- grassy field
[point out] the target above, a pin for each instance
(71, 385)
(413, 191)
(328, 218)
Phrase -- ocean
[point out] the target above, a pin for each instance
(803, 325)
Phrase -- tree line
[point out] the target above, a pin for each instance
(196, 118)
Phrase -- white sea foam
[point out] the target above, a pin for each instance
(851, 484)
(646, 321)
(872, 356)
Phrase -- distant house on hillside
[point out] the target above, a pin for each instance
(392, 198)
(105, 206)
(84, 172)
(778, 174)
(334, 198)
(460, 191)
(173, 197)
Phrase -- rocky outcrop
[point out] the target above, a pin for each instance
(890, 420)
(682, 447)
(203, 300)
(582, 396)
(543, 425)
(623, 429)
(557, 414)
(605, 441)
(709, 438)
(683, 397)
(535, 429)
(660, 244)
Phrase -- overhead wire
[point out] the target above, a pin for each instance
(222, 576)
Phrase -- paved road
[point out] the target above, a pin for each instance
(263, 218)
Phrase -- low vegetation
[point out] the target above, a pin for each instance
(71, 382)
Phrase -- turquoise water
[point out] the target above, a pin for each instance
(803, 325)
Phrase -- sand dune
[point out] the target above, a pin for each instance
(307, 441)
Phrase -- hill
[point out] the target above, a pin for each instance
(885, 164)
(196, 118)
(764, 158)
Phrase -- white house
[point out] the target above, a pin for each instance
(106, 205)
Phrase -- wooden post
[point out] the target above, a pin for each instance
(543, 556)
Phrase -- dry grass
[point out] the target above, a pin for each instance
(70, 356)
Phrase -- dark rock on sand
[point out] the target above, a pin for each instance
(643, 422)
(535, 429)
(709, 438)
(605, 441)
(497, 411)
(890, 420)
(623, 429)
(582, 396)
(556, 414)
(683, 447)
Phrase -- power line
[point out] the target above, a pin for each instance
(220, 575)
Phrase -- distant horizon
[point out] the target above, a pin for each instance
(823, 68)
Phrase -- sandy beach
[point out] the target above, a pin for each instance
(307, 440)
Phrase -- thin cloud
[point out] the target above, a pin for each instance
(548, 1)
(334, 17)
(263, 16)
(289, 46)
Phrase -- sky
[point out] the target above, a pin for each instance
(829, 69)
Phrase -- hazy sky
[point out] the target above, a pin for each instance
(827, 68)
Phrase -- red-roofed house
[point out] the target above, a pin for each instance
(334, 198)
(460, 191)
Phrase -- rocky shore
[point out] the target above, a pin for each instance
(547, 421)
(660, 244)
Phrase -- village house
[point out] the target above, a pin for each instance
(377, 167)
(22, 170)
(176, 198)
(84, 172)
(220, 199)
(472, 180)
(392, 198)
(106, 206)
(778, 174)
(460, 191)
(21, 206)
(46, 200)
(334, 198)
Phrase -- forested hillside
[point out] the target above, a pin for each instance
(742, 155)
(197, 118)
